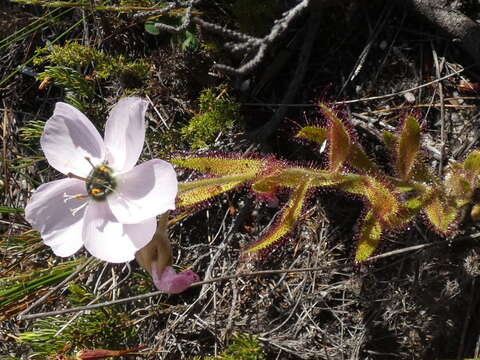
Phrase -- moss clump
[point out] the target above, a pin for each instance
(241, 347)
(218, 111)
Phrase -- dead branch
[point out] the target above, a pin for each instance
(187, 18)
(456, 25)
(253, 45)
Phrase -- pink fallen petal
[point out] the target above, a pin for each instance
(147, 190)
(69, 137)
(125, 133)
(172, 282)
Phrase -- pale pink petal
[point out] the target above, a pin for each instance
(172, 283)
(68, 138)
(125, 133)
(50, 213)
(147, 190)
(109, 240)
(70, 247)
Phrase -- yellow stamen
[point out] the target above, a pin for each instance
(95, 191)
(76, 197)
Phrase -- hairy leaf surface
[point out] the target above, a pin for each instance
(290, 215)
(368, 237)
(339, 140)
(441, 213)
(313, 133)
(195, 192)
(221, 166)
(408, 147)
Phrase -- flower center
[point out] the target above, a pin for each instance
(100, 182)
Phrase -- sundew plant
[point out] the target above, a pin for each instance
(391, 200)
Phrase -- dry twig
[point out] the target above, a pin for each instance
(458, 26)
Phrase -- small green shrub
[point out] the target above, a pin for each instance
(74, 67)
(72, 54)
(107, 328)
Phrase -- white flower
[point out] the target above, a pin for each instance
(106, 203)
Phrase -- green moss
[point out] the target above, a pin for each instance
(241, 347)
(218, 112)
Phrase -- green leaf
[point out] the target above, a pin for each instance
(360, 161)
(190, 41)
(471, 166)
(390, 140)
(420, 171)
(409, 208)
(441, 212)
(458, 184)
(223, 166)
(10, 210)
(368, 237)
(381, 200)
(195, 192)
(472, 162)
(290, 177)
(408, 147)
(151, 28)
(339, 140)
(313, 133)
(290, 215)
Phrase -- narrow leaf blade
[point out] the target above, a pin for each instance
(291, 177)
(382, 201)
(408, 147)
(222, 166)
(196, 192)
(291, 213)
(313, 133)
(368, 238)
(472, 162)
(339, 140)
(441, 213)
(360, 161)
